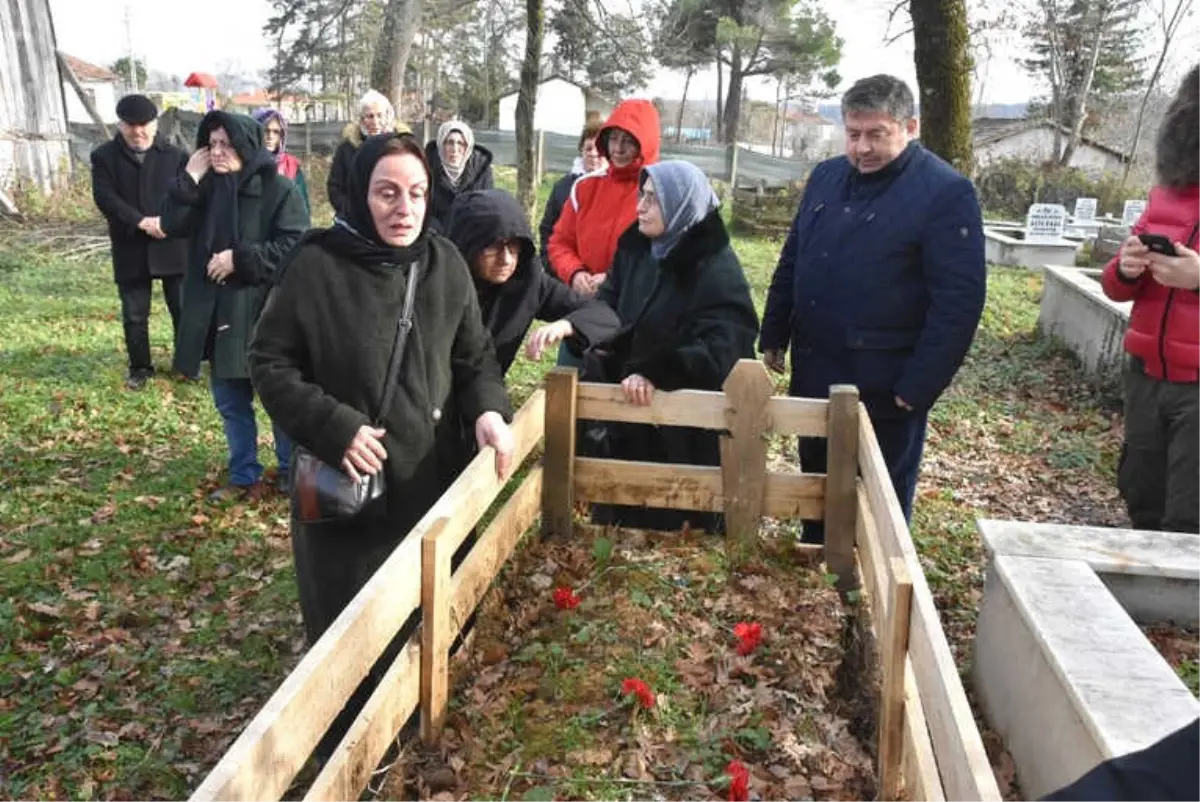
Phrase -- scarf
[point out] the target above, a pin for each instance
(444, 132)
(219, 192)
(685, 197)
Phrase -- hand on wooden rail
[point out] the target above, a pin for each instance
(491, 430)
(639, 390)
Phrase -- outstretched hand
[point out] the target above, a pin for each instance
(546, 337)
(491, 430)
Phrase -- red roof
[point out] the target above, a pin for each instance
(90, 73)
(201, 80)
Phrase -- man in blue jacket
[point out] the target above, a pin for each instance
(881, 282)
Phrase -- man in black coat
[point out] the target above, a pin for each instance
(130, 179)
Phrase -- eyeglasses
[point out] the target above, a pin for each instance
(496, 250)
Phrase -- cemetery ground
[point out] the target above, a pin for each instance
(141, 627)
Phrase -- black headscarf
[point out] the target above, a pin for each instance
(353, 233)
(218, 230)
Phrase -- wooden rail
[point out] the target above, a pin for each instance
(929, 747)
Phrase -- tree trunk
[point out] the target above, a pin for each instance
(535, 23)
(401, 19)
(687, 80)
(942, 57)
(733, 98)
(776, 127)
(1079, 112)
(88, 105)
(720, 104)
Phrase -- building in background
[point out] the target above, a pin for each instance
(100, 84)
(562, 107)
(1033, 141)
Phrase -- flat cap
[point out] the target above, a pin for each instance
(136, 110)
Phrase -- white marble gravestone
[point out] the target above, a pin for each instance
(1085, 209)
(1132, 211)
(1045, 222)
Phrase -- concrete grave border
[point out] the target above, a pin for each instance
(1061, 669)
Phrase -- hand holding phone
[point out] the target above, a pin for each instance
(1158, 244)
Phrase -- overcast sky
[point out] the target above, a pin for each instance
(209, 36)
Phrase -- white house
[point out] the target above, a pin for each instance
(562, 107)
(1033, 140)
(102, 86)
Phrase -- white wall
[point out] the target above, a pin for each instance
(1038, 144)
(560, 109)
(104, 97)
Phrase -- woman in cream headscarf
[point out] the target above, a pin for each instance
(375, 115)
(458, 165)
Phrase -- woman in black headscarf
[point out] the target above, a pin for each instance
(320, 356)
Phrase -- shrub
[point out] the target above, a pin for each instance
(1008, 187)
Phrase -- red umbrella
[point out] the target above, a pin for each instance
(201, 80)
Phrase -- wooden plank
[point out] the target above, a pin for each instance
(870, 556)
(806, 417)
(961, 759)
(841, 501)
(478, 486)
(795, 495)
(744, 454)
(921, 780)
(436, 636)
(703, 409)
(894, 655)
(558, 499)
(64, 67)
(690, 487)
(349, 768)
(273, 747)
(489, 555)
(650, 484)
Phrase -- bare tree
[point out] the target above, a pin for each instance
(401, 19)
(1170, 18)
(535, 28)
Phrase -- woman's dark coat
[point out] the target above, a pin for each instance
(318, 361)
(218, 319)
(480, 219)
(476, 175)
(685, 324)
(559, 194)
(126, 191)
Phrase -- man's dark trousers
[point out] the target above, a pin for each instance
(901, 438)
(135, 315)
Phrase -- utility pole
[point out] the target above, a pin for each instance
(133, 78)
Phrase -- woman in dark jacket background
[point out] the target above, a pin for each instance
(241, 218)
(320, 359)
(458, 165)
(589, 161)
(687, 318)
(491, 232)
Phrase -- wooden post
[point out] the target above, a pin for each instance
(88, 105)
(895, 651)
(436, 633)
(731, 164)
(539, 159)
(744, 454)
(841, 499)
(558, 486)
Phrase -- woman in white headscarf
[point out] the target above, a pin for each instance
(458, 165)
(375, 116)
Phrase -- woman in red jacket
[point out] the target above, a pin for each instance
(1159, 472)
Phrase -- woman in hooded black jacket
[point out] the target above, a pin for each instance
(491, 232)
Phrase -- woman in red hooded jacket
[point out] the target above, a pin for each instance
(1159, 472)
(603, 205)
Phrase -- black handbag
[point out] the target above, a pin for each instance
(321, 492)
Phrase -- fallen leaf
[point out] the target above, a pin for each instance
(102, 738)
(48, 610)
(105, 513)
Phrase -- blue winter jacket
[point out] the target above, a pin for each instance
(882, 280)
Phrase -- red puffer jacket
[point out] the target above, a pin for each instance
(1164, 326)
(603, 205)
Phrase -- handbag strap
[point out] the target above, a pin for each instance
(402, 330)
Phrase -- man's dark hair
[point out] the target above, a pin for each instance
(1177, 155)
(885, 93)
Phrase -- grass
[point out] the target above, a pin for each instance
(141, 628)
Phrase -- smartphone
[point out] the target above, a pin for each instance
(1158, 243)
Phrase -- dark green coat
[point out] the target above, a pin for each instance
(271, 218)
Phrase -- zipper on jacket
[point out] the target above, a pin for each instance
(1167, 312)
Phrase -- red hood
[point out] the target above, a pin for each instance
(640, 118)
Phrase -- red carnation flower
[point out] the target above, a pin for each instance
(749, 635)
(640, 689)
(565, 599)
(739, 781)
